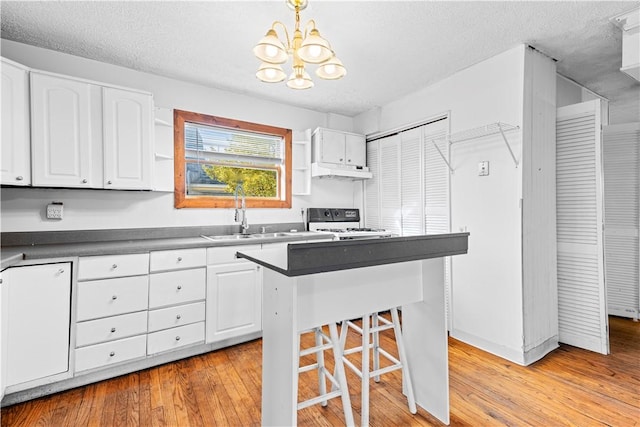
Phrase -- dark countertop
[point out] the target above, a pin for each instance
(10, 258)
(47, 249)
(302, 259)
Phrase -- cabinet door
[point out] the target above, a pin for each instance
(38, 321)
(66, 132)
(16, 160)
(355, 150)
(234, 300)
(332, 146)
(128, 126)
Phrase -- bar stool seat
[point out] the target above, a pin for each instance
(339, 388)
(372, 325)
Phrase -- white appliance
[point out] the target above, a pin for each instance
(342, 223)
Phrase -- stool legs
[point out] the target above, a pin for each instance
(338, 379)
(372, 324)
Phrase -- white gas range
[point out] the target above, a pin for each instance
(342, 223)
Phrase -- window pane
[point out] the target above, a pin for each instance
(214, 154)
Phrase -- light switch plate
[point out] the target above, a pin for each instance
(54, 210)
(483, 168)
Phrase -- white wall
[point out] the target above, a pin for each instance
(487, 289)
(23, 209)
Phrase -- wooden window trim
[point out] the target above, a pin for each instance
(180, 197)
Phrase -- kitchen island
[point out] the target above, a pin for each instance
(308, 285)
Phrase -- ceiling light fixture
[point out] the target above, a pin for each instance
(308, 49)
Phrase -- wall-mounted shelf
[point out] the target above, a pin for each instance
(162, 122)
(475, 133)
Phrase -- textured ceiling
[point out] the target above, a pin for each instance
(390, 48)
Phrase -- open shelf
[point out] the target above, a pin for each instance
(476, 133)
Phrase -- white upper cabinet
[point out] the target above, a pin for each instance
(66, 132)
(16, 161)
(337, 147)
(127, 121)
(89, 136)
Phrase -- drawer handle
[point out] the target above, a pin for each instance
(178, 338)
(178, 317)
(179, 287)
(179, 259)
(114, 266)
(113, 330)
(115, 297)
(113, 353)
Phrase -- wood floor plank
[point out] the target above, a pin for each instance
(569, 387)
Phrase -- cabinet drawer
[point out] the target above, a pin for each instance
(165, 318)
(170, 339)
(178, 259)
(102, 298)
(104, 267)
(176, 287)
(108, 353)
(227, 254)
(111, 328)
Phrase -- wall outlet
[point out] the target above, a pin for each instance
(54, 210)
(483, 168)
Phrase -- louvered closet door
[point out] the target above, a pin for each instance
(621, 205)
(389, 180)
(411, 182)
(371, 186)
(582, 312)
(436, 179)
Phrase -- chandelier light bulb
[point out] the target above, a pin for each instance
(270, 51)
(315, 51)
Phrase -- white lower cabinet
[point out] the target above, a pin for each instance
(111, 352)
(38, 321)
(174, 338)
(176, 300)
(111, 314)
(234, 300)
(111, 328)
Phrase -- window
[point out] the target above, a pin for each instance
(214, 155)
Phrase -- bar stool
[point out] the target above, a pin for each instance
(371, 341)
(338, 382)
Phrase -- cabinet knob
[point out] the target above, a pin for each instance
(178, 338)
(179, 287)
(114, 266)
(114, 297)
(61, 271)
(179, 259)
(108, 182)
(19, 178)
(348, 160)
(113, 353)
(178, 317)
(341, 159)
(84, 181)
(113, 330)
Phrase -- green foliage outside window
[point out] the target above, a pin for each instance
(255, 182)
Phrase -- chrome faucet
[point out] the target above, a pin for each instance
(241, 209)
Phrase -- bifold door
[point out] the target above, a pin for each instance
(582, 309)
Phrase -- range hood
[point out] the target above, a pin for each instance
(329, 170)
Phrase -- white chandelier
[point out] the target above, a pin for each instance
(310, 48)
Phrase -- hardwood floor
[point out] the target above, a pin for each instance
(568, 387)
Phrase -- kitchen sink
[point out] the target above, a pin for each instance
(270, 235)
(228, 237)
